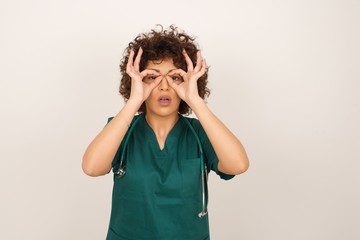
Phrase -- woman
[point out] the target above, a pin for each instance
(165, 155)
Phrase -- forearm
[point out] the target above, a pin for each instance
(229, 150)
(98, 156)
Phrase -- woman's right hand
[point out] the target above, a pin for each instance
(98, 157)
(140, 90)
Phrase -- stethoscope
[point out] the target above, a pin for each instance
(122, 168)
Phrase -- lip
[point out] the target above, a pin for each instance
(164, 100)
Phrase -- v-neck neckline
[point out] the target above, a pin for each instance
(154, 142)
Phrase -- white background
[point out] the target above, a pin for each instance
(284, 77)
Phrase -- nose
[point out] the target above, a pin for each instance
(164, 85)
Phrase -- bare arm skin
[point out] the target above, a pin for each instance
(229, 150)
(99, 154)
(101, 151)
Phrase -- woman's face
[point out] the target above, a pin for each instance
(163, 100)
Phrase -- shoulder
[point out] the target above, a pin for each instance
(194, 123)
(136, 118)
(192, 120)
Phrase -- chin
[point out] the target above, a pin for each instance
(162, 112)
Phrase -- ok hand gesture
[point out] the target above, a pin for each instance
(188, 90)
(140, 91)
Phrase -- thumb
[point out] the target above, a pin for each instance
(172, 84)
(153, 84)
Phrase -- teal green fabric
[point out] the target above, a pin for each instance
(160, 195)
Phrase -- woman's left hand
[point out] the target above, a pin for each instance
(188, 90)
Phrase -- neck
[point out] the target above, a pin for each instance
(161, 125)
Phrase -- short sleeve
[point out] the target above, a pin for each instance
(109, 119)
(210, 156)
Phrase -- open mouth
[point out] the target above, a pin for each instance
(163, 100)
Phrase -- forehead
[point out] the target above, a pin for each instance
(161, 65)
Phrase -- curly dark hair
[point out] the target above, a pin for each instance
(157, 46)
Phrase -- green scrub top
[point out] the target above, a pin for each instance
(160, 196)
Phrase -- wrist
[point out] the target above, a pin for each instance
(196, 104)
(134, 103)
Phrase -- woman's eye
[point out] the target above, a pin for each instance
(176, 78)
(151, 77)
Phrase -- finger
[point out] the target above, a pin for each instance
(153, 84)
(179, 71)
(129, 64)
(202, 70)
(203, 66)
(172, 83)
(190, 66)
(199, 61)
(137, 59)
(156, 82)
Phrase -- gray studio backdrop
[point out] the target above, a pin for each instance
(284, 77)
